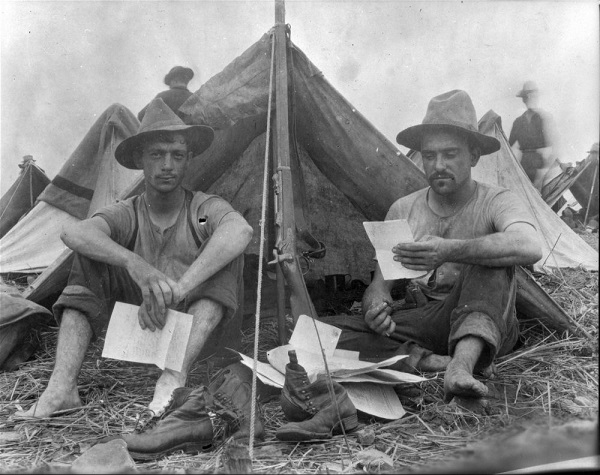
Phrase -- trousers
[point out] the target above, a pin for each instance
(94, 287)
(481, 304)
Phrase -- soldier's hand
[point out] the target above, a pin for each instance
(377, 317)
(148, 315)
(159, 292)
(426, 254)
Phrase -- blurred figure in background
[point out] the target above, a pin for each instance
(177, 79)
(533, 139)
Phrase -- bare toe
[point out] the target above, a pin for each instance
(460, 382)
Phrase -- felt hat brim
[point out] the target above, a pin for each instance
(411, 137)
(198, 138)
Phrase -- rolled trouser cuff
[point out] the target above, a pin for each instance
(82, 299)
(480, 325)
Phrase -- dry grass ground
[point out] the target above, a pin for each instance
(548, 381)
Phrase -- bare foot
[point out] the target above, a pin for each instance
(51, 401)
(459, 381)
(490, 372)
(168, 382)
(434, 363)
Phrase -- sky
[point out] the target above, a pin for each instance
(64, 62)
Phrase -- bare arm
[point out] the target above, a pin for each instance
(517, 245)
(91, 238)
(229, 240)
(376, 304)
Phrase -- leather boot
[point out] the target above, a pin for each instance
(312, 411)
(185, 425)
(231, 389)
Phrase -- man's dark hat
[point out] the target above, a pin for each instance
(179, 72)
(452, 110)
(160, 118)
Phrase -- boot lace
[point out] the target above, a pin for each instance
(146, 420)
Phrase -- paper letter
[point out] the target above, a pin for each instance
(125, 339)
(384, 235)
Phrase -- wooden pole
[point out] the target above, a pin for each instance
(587, 209)
(285, 222)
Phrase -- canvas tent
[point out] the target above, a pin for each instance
(586, 188)
(579, 177)
(89, 179)
(21, 196)
(343, 170)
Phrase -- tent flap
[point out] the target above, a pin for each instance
(21, 196)
(73, 187)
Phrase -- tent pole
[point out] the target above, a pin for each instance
(287, 257)
(587, 209)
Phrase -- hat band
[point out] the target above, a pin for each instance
(442, 122)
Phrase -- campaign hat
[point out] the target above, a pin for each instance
(452, 111)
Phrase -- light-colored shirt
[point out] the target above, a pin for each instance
(490, 210)
(173, 250)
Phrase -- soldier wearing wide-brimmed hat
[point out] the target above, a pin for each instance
(468, 236)
(533, 137)
(177, 79)
(166, 248)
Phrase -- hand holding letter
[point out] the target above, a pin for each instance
(159, 292)
(427, 254)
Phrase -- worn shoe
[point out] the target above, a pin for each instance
(185, 425)
(313, 413)
(231, 390)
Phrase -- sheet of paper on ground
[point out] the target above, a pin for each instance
(369, 385)
(384, 235)
(375, 399)
(125, 339)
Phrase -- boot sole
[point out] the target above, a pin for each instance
(348, 423)
(187, 447)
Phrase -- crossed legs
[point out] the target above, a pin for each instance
(73, 340)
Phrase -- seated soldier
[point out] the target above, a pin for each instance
(167, 248)
(468, 236)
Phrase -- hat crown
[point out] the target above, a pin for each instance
(452, 108)
(159, 116)
(529, 86)
(179, 72)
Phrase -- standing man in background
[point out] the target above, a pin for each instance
(533, 139)
(177, 79)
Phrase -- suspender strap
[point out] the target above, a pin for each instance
(131, 243)
(188, 203)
